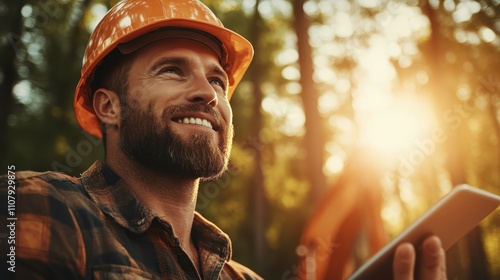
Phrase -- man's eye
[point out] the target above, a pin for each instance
(218, 82)
(170, 70)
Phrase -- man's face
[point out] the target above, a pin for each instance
(176, 116)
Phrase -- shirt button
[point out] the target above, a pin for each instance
(141, 221)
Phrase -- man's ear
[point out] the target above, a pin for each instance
(107, 107)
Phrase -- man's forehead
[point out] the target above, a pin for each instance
(177, 51)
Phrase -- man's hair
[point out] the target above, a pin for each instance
(112, 74)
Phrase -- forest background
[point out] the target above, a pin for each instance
(400, 97)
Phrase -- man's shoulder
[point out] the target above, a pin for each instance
(239, 271)
(44, 207)
(32, 181)
(49, 185)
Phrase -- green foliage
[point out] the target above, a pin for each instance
(43, 133)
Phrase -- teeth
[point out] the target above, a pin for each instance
(207, 123)
(197, 121)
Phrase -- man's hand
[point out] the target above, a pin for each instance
(432, 265)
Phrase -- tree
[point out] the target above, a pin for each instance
(314, 140)
(258, 200)
(441, 85)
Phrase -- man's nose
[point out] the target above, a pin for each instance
(203, 91)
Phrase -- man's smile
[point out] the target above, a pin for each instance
(196, 121)
(199, 118)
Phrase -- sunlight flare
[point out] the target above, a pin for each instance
(393, 130)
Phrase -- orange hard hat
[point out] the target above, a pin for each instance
(130, 19)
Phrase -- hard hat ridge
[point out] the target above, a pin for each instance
(175, 32)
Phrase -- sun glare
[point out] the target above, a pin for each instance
(393, 130)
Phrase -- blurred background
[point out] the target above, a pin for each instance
(354, 118)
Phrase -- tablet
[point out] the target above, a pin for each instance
(451, 218)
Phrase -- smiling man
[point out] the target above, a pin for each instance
(155, 85)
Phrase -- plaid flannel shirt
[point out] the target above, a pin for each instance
(93, 227)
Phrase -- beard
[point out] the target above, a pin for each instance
(153, 144)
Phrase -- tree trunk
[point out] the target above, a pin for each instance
(258, 198)
(314, 139)
(445, 99)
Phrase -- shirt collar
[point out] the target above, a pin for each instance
(113, 196)
(208, 236)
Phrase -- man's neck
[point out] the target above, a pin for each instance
(170, 198)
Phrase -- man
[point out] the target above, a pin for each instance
(155, 85)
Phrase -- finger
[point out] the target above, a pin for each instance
(404, 262)
(432, 261)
